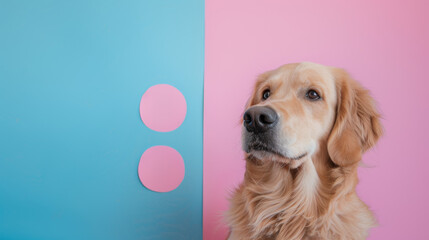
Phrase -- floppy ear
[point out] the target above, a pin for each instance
(357, 126)
(256, 87)
(252, 99)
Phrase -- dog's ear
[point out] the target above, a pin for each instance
(256, 91)
(357, 126)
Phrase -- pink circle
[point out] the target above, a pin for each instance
(161, 169)
(163, 108)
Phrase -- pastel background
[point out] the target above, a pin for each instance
(383, 44)
(72, 74)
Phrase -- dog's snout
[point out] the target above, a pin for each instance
(259, 119)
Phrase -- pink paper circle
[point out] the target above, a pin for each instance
(163, 108)
(161, 169)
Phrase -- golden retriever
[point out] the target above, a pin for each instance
(305, 129)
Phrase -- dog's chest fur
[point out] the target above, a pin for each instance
(282, 198)
(290, 204)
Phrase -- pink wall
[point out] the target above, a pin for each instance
(383, 44)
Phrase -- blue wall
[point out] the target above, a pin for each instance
(71, 77)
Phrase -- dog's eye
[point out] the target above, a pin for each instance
(312, 95)
(266, 94)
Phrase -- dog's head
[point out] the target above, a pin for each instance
(297, 106)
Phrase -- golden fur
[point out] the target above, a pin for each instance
(313, 197)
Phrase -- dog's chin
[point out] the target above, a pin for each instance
(265, 155)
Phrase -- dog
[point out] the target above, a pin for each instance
(304, 131)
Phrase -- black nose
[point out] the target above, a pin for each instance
(259, 119)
